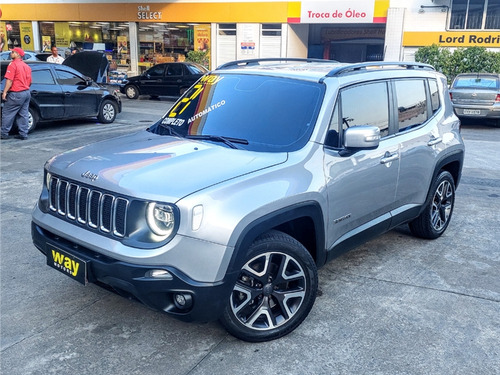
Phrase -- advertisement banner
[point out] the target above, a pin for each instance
(201, 37)
(452, 39)
(3, 37)
(27, 42)
(62, 34)
(122, 44)
(46, 43)
(353, 11)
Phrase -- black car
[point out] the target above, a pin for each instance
(168, 79)
(59, 92)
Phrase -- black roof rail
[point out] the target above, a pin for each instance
(373, 64)
(242, 63)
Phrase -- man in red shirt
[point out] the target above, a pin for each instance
(16, 94)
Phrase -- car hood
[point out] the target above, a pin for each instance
(161, 168)
(93, 64)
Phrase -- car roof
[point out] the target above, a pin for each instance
(314, 69)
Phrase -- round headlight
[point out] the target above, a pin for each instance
(160, 218)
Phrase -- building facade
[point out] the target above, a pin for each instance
(137, 35)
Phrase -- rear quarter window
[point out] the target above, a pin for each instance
(411, 103)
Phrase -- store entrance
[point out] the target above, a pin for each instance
(347, 43)
(352, 51)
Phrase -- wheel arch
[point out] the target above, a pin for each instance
(304, 222)
(452, 163)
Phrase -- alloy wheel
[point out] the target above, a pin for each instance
(270, 290)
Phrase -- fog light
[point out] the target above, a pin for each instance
(159, 274)
(183, 301)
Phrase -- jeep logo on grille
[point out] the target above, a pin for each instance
(91, 176)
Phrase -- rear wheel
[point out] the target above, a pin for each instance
(132, 92)
(32, 119)
(275, 289)
(107, 112)
(436, 215)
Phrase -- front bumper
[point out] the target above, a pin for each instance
(206, 301)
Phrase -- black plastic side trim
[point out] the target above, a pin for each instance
(274, 220)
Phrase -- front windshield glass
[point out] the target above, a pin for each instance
(260, 113)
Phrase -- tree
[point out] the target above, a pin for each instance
(462, 60)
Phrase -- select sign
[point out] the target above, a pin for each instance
(68, 264)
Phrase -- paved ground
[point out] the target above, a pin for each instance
(397, 305)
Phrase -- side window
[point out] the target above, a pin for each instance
(68, 78)
(366, 105)
(433, 88)
(43, 77)
(174, 70)
(157, 71)
(412, 103)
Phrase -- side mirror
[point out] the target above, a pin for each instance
(362, 137)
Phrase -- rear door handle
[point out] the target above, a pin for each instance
(388, 157)
(434, 141)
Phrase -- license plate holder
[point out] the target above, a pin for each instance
(68, 264)
(472, 111)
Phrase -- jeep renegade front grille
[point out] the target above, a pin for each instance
(90, 207)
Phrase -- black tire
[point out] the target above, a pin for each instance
(436, 215)
(183, 90)
(131, 91)
(32, 119)
(275, 290)
(107, 111)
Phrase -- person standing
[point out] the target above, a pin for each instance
(16, 94)
(55, 58)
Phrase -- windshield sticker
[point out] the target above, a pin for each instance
(210, 80)
(173, 121)
(207, 110)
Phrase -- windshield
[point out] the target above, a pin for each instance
(258, 113)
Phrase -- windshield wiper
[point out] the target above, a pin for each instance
(218, 138)
(170, 130)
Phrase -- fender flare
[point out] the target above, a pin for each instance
(272, 220)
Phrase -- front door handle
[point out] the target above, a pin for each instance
(388, 157)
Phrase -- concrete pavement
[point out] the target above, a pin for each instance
(396, 305)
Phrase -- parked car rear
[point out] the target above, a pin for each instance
(476, 95)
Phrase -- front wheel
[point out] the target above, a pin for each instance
(275, 289)
(436, 215)
(107, 111)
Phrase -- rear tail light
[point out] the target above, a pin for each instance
(451, 96)
(497, 99)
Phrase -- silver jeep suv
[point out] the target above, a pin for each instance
(260, 173)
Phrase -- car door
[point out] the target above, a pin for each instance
(81, 99)
(417, 136)
(361, 185)
(46, 94)
(174, 78)
(152, 80)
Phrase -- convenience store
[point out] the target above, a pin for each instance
(138, 35)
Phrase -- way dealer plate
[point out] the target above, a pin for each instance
(68, 264)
